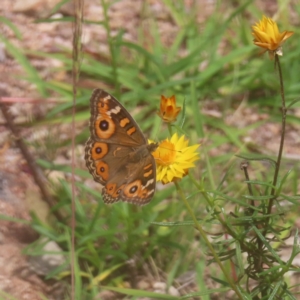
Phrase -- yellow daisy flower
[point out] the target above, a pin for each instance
(267, 36)
(173, 158)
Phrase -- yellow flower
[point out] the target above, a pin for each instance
(173, 158)
(168, 110)
(267, 36)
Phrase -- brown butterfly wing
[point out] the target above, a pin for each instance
(117, 153)
(134, 182)
(104, 160)
(110, 122)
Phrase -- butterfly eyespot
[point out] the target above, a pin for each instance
(102, 170)
(111, 187)
(98, 150)
(103, 125)
(133, 189)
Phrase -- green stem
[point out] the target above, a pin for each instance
(170, 129)
(283, 122)
(207, 242)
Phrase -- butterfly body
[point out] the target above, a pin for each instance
(117, 154)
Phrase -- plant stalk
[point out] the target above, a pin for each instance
(283, 124)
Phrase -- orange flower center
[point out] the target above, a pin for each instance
(165, 153)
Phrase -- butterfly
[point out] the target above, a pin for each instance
(117, 154)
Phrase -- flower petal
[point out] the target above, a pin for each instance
(267, 36)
